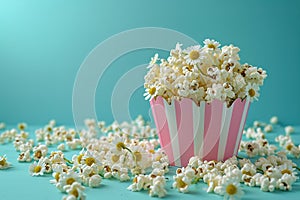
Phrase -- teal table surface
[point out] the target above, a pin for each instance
(16, 183)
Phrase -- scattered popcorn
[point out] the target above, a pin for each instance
(61, 147)
(25, 156)
(22, 126)
(253, 133)
(130, 151)
(274, 120)
(140, 182)
(182, 182)
(95, 181)
(3, 163)
(2, 125)
(74, 191)
(256, 124)
(52, 123)
(268, 128)
(283, 139)
(289, 129)
(158, 187)
(203, 74)
(39, 151)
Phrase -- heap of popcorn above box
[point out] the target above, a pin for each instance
(200, 98)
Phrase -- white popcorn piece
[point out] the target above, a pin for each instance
(289, 129)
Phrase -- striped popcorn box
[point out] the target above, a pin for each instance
(211, 131)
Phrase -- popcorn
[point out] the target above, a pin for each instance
(268, 128)
(285, 182)
(94, 181)
(22, 126)
(289, 129)
(267, 184)
(39, 151)
(140, 182)
(3, 163)
(203, 74)
(131, 151)
(274, 120)
(25, 156)
(61, 147)
(158, 187)
(74, 191)
(2, 125)
(181, 183)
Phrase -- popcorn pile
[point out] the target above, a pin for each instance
(130, 152)
(203, 74)
(123, 151)
(260, 146)
(224, 178)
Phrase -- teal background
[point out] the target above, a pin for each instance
(43, 43)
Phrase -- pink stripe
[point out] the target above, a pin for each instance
(235, 153)
(236, 118)
(184, 119)
(212, 134)
(158, 111)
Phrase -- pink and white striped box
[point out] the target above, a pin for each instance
(211, 131)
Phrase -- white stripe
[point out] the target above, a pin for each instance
(226, 118)
(198, 127)
(241, 126)
(171, 118)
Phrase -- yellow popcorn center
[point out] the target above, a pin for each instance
(107, 168)
(21, 156)
(3, 162)
(49, 129)
(247, 180)
(138, 156)
(231, 189)
(21, 126)
(57, 175)
(190, 67)
(211, 46)
(37, 169)
(152, 91)
(151, 151)
(75, 193)
(158, 157)
(247, 173)
(251, 92)
(194, 55)
(24, 135)
(215, 182)
(178, 171)
(91, 174)
(38, 154)
(286, 171)
(79, 157)
(135, 180)
(181, 184)
(115, 158)
(70, 181)
(120, 145)
(289, 147)
(89, 161)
